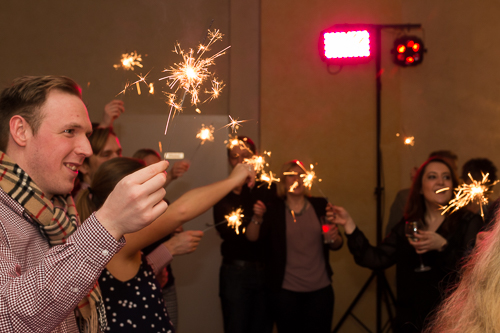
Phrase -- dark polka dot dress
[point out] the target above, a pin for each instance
(135, 305)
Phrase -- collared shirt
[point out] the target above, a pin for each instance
(41, 286)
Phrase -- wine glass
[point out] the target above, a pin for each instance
(325, 227)
(411, 229)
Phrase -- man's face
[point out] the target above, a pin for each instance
(111, 149)
(238, 154)
(55, 153)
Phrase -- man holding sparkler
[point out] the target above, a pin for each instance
(48, 269)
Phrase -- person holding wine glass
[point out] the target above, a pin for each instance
(439, 244)
(297, 247)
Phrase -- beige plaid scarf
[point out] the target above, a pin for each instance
(58, 219)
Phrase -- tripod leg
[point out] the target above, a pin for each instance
(354, 302)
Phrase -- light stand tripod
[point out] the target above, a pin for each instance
(384, 292)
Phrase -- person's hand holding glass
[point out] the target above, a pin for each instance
(412, 229)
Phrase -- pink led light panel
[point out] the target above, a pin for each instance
(347, 44)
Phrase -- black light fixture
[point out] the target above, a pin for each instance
(408, 51)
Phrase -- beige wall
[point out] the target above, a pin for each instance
(451, 101)
(448, 102)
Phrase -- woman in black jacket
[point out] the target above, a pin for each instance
(297, 264)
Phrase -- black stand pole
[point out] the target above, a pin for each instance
(384, 292)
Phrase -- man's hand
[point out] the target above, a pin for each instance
(184, 242)
(112, 111)
(136, 201)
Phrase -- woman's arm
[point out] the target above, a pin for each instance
(365, 255)
(188, 206)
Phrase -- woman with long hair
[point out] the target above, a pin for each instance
(426, 259)
(297, 264)
(130, 291)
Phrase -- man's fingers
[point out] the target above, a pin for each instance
(148, 173)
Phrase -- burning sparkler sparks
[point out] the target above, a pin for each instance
(234, 124)
(409, 141)
(268, 178)
(216, 90)
(257, 162)
(234, 219)
(475, 192)
(205, 133)
(191, 73)
(137, 84)
(129, 60)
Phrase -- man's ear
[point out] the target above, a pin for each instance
(20, 131)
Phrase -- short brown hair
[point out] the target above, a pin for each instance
(25, 96)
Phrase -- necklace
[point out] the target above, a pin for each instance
(294, 214)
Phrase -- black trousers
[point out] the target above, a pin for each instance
(301, 312)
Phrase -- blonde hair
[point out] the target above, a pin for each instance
(473, 306)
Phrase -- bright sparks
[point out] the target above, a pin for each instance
(137, 84)
(189, 75)
(215, 91)
(234, 124)
(268, 178)
(192, 72)
(294, 186)
(129, 60)
(205, 133)
(475, 192)
(257, 162)
(308, 176)
(234, 219)
(409, 141)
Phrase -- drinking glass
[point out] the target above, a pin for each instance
(412, 228)
(325, 227)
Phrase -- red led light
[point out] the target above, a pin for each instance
(410, 43)
(401, 57)
(410, 60)
(346, 44)
(401, 48)
(416, 47)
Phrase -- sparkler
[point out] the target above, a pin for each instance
(474, 192)
(216, 90)
(234, 124)
(409, 141)
(141, 79)
(268, 178)
(294, 186)
(233, 220)
(192, 72)
(257, 162)
(205, 133)
(129, 60)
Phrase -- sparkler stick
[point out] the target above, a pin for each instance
(474, 192)
(233, 220)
